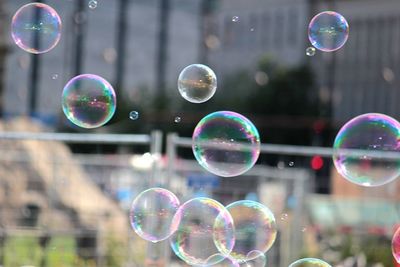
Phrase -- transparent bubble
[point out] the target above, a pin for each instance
(255, 229)
(291, 163)
(36, 28)
(309, 262)
(197, 83)
(226, 143)
(396, 245)
(202, 228)
(222, 260)
(256, 258)
(134, 115)
(92, 4)
(88, 101)
(235, 18)
(54, 77)
(328, 31)
(177, 119)
(366, 150)
(152, 212)
(284, 216)
(310, 51)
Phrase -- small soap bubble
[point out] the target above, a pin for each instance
(54, 77)
(304, 229)
(284, 216)
(310, 262)
(226, 143)
(197, 83)
(92, 4)
(235, 18)
(255, 229)
(177, 119)
(134, 115)
(252, 29)
(88, 101)
(152, 212)
(36, 28)
(328, 31)
(291, 163)
(310, 51)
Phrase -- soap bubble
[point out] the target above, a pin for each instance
(197, 83)
(36, 28)
(134, 115)
(235, 18)
(256, 259)
(310, 262)
(226, 143)
(328, 31)
(202, 228)
(88, 101)
(152, 212)
(177, 119)
(366, 150)
(396, 245)
(222, 260)
(310, 51)
(255, 229)
(92, 4)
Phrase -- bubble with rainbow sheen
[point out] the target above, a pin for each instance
(396, 245)
(197, 83)
(366, 150)
(202, 228)
(328, 31)
(88, 101)
(226, 143)
(255, 229)
(36, 28)
(152, 212)
(310, 262)
(222, 260)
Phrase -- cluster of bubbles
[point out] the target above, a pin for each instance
(203, 232)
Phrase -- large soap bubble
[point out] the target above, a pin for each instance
(152, 212)
(255, 229)
(36, 28)
(226, 143)
(197, 83)
(328, 31)
(88, 101)
(366, 150)
(203, 232)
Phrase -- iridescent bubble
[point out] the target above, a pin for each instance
(134, 115)
(310, 51)
(222, 260)
(396, 245)
(36, 28)
(92, 4)
(88, 101)
(197, 83)
(177, 119)
(235, 18)
(226, 143)
(256, 259)
(366, 150)
(255, 229)
(152, 212)
(310, 262)
(202, 228)
(328, 31)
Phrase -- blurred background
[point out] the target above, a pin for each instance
(64, 199)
